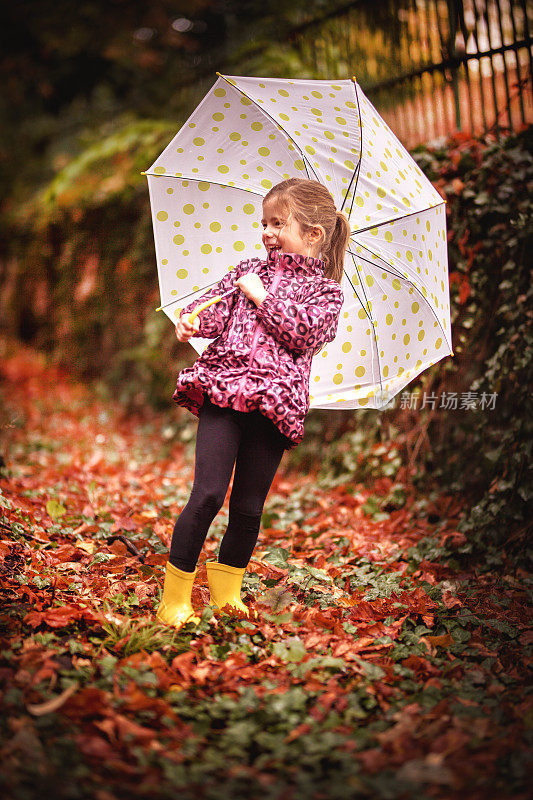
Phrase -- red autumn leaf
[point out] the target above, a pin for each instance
(123, 524)
(464, 290)
(184, 664)
(95, 747)
(304, 727)
(444, 640)
(127, 729)
(60, 617)
(87, 703)
(449, 600)
(457, 185)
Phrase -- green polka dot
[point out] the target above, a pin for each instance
(218, 117)
(283, 92)
(235, 137)
(317, 95)
(203, 186)
(159, 170)
(215, 227)
(164, 261)
(188, 208)
(219, 92)
(266, 183)
(223, 169)
(248, 208)
(162, 216)
(238, 246)
(256, 126)
(182, 273)
(178, 239)
(198, 141)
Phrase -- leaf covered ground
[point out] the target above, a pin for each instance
(376, 666)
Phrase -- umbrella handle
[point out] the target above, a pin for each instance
(202, 306)
(198, 309)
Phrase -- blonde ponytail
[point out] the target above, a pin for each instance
(334, 256)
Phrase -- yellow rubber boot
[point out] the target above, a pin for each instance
(175, 608)
(225, 585)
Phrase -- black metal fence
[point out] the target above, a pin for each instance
(431, 67)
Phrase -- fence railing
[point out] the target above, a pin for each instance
(431, 67)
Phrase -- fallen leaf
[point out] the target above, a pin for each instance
(48, 707)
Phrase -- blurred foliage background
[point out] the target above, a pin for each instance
(93, 91)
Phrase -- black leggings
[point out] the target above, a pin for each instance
(226, 438)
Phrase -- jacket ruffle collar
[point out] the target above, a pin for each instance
(296, 262)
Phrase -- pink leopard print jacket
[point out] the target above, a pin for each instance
(261, 355)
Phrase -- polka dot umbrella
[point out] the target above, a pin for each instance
(247, 134)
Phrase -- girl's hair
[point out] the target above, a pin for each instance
(312, 206)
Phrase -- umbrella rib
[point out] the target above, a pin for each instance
(366, 308)
(357, 170)
(388, 268)
(203, 289)
(415, 287)
(280, 127)
(205, 180)
(396, 219)
(355, 174)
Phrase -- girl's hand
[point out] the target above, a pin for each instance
(252, 286)
(184, 329)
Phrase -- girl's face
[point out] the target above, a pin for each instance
(282, 232)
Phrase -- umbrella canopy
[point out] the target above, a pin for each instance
(248, 134)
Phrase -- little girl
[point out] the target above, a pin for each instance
(250, 387)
